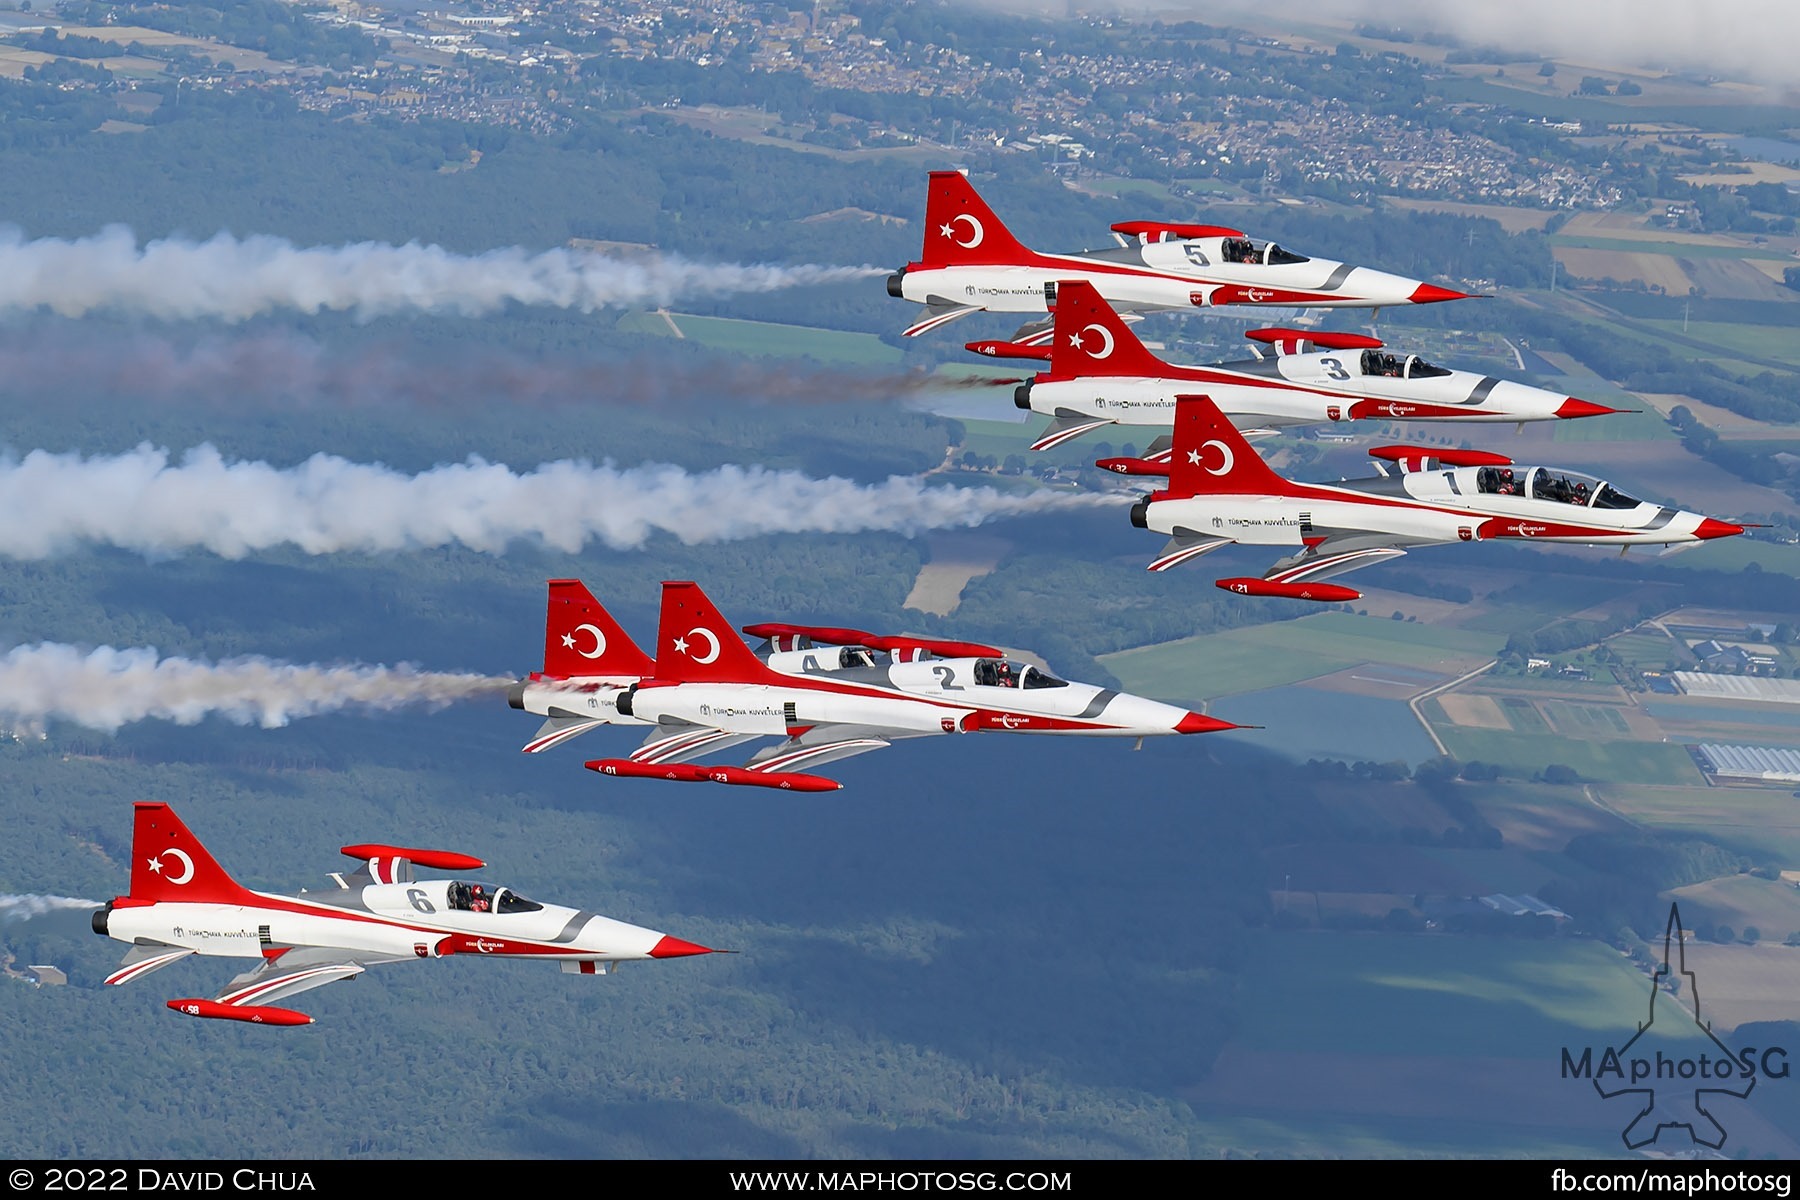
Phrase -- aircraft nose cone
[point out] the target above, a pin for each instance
(1710, 529)
(673, 947)
(1431, 293)
(1197, 723)
(1582, 408)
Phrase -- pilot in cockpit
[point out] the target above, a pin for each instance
(1237, 250)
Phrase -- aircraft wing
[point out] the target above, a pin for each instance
(296, 971)
(1066, 425)
(939, 314)
(145, 957)
(559, 729)
(1334, 556)
(678, 741)
(823, 744)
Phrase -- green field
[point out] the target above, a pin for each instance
(1266, 656)
(1403, 994)
(1645, 425)
(1650, 651)
(1761, 822)
(1736, 553)
(1770, 906)
(1762, 341)
(1615, 760)
(1672, 249)
(768, 339)
(1522, 715)
(1586, 720)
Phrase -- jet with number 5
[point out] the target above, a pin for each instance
(1098, 373)
(1220, 492)
(970, 262)
(825, 692)
(182, 903)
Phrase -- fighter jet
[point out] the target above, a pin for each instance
(970, 262)
(1220, 492)
(590, 662)
(829, 693)
(182, 902)
(1100, 374)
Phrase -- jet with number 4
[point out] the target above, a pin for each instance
(1221, 492)
(1098, 373)
(182, 903)
(970, 262)
(826, 692)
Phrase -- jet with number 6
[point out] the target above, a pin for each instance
(182, 903)
(1097, 373)
(826, 692)
(1220, 493)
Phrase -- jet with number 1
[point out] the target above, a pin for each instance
(970, 262)
(827, 692)
(1098, 373)
(181, 902)
(1220, 493)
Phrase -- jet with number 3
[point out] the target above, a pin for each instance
(182, 903)
(1220, 492)
(826, 692)
(1097, 373)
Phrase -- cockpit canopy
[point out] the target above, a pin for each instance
(1544, 483)
(480, 897)
(1268, 254)
(1380, 362)
(1000, 672)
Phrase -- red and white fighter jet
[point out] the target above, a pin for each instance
(826, 691)
(182, 902)
(1100, 374)
(970, 262)
(1220, 492)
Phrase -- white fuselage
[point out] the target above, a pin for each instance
(1428, 507)
(594, 697)
(1158, 275)
(1294, 389)
(933, 696)
(388, 919)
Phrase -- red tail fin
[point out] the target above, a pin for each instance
(1090, 339)
(695, 643)
(961, 230)
(581, 637)
(169, 863)
(1209, 456)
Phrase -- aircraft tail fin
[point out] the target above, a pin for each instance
(582, 638)
(169, 863)
(961, 230)
(1091, 338)
(1209, 456)
(697, 643)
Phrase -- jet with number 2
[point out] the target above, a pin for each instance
(970, 262)
(826, 692)
(181, 903)
(1220, 492)
(1098, 373)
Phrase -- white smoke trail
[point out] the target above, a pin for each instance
(143, 501)
(106, 687)
(234, 279)
(25, 907)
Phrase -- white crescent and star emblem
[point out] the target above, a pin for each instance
(976, 232)
(1106, 339)
(1228, 460)
(712, 640)
(187, 865)
(599, 641)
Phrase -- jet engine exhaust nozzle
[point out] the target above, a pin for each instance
(894, 284)
(1022, 396)
(1140, 513)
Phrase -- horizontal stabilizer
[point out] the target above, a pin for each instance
(1066, 426)
(144, 958)
(936, 316)
(557, 730)
(1184, 547)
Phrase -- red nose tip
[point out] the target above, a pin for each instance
(1196, 723)
(1582, 408)
(1431, 293)
(1710, 529)
(672, 947)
